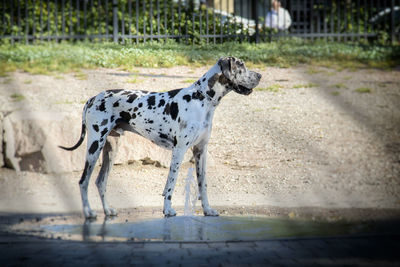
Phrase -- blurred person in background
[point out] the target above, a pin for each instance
(278, 17)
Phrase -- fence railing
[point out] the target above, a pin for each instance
(195, 21)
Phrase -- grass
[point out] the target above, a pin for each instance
(272, 88)
(67, 102)
(47, 58)
(313, 70)
(339, 86)
(7, 80)
(308, 85)
(134, 80)
(16, 97)
(81, 76)
(189, 81)
(363, 90)
(335, 93)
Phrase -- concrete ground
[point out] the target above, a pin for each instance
(52, 240)
(329, 251)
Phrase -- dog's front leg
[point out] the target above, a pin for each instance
(200, 155)
(177, 156)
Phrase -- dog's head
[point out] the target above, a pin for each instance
(238, 77)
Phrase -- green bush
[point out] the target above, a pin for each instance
(156, 17)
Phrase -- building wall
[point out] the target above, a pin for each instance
(224, 5)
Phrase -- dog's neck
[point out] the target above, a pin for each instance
(213, 85)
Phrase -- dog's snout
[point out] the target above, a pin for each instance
(258, 75)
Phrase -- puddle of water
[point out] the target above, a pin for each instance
(195, 228)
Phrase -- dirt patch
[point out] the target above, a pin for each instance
(308, 138)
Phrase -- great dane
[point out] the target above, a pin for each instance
(175, 120)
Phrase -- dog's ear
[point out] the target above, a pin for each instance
(228, 67)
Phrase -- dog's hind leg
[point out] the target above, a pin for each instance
(94, 147)
(200, 156)
(109, 152)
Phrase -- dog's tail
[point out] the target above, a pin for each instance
(83, 131)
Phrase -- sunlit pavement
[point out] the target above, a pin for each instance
(225, 240)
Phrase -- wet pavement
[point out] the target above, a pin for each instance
(150, 239)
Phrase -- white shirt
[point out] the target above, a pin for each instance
(278, 20)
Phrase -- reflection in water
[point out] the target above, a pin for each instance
(182, 228)
(89, 229)
(198, 228)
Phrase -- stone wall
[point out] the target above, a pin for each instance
(31, 141)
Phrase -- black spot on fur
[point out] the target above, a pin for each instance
(93, 148)
(175, 141)
(114, 91)
(211, 93)
(161, 103)
(198, 83)
(213, 80)
(151, 101)
(104, 132)
(174, 110)
(204, 79)
(167, 110)
(140, 105)
(173, 93)
(112, 118)
(125, 116)
(126, 93)
(169, 189)
(90, 102)
(104, 122)
(116, 104)
(199, 184)
(169, 197)
(102, 106)
(131, 98)
(223, 80)
(197, 95)
(163, 136)
(187, 98)
(85, 169)
(96, 127)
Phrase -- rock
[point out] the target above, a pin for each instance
(134, 147)
(32, 139)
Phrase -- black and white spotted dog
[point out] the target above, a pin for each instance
(176, 120)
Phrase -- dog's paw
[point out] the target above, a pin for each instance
(111, 212)
(210, 212)
(170, 212)
(89, 214)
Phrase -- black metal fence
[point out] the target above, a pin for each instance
(197, 21)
